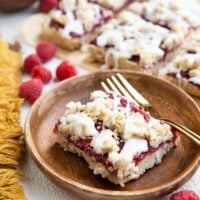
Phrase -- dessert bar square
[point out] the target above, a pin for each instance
(72, 20)
(118, 139)
(129, 42)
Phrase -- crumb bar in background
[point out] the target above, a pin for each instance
(72, 20)
(130, 42)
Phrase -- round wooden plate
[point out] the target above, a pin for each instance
(72, 172)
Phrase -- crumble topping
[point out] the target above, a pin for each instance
(129, 35)
(105, 142)
(128, 152)
(122, 122)
(178, 16)
(79, 124)
(79, 16)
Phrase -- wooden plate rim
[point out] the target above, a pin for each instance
(183, 176)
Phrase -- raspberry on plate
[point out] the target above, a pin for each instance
(31, 90)
(46, 51)
(65, 70)
(31, 61)
(185, 195)
(39, 71)
(47, 5)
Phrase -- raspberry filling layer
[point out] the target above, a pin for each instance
(183, 74)
(85, 144)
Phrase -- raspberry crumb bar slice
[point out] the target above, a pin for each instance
(129, 42)
(72, 20)
(118, 139)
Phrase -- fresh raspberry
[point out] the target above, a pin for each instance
(185, 195)
(47, 5)
(39, 71)
(31, 61)
(46, 51)
(65, 70)
(31, 90)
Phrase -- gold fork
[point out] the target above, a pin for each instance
(121, 86)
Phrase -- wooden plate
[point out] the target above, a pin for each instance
(73, 174)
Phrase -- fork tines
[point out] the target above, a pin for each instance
(121, 86)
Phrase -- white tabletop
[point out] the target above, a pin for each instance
(36, 185)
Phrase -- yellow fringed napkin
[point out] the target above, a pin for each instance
(10, 130)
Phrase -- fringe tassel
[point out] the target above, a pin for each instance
(8, 187)
(11, 133)
(10, 152)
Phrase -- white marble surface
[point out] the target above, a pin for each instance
(36, 185)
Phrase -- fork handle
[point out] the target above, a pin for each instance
(187, 132)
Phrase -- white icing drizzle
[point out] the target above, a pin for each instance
(98, 94)
(109, 3)
(169, 68)
(131, 148)
(104, 142)
(195, 80)
(129, 35)
(72, 27)
(72, 24)
(80, 124)
(134, 125)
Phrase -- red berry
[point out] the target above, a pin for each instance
(31, 90)
(65, 70)
(185, 195)
(47, 5)
(46, 51)
(42, 73)
(31, 61)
